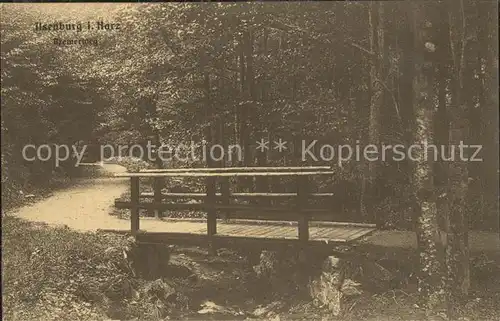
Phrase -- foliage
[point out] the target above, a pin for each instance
(44, 101)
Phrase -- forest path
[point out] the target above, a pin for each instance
(85, 206)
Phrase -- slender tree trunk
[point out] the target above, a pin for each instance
(431, 283)
(472, 100)
(208, 132)
(457, 251)
(262, 157)
(441, 126)
(376, 31)
(243, 182)
(251, 96)
(156, 134)
(366, 192)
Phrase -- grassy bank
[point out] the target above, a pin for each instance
(58, 274)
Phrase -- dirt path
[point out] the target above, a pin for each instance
(86, 206)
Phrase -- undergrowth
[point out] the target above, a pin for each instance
(58, 274)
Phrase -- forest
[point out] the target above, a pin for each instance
(362, 73)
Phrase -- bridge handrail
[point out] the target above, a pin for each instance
(239, 169)
(211, 174)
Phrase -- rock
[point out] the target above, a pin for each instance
(209, 307)
(331, 266)
(351, 288)
(326, 294)
(326, 289)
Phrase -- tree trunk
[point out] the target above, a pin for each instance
(431, 283)
(457, 251)
(262, 160)
(250, 106)
(473, 100)
(208, 132)
(243, 182)
(441, 125)
(376, 24)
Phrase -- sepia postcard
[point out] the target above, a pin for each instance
(260, 160)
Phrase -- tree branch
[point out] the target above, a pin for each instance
(392, 96)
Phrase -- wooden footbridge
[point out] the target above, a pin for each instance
(294, 228)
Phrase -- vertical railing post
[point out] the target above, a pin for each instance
(134, 200)
(225, 193)
(302, 198)
(211, 211)
(157, 197)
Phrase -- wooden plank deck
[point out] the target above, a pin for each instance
(189, 231)
(339, 234)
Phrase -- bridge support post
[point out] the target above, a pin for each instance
(134, 199)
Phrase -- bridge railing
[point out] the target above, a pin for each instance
(213, 201)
